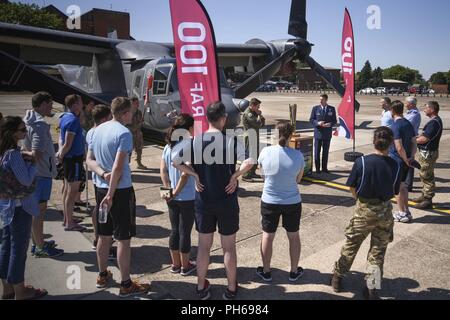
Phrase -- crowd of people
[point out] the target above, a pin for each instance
(202, 190)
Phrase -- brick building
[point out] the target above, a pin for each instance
(309, 80)
(99, 22)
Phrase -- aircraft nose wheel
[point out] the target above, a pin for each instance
(352, 156)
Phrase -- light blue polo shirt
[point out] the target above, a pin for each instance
(415, 118)
(386, 119)
(281, 167)
(188, 192)
(108, 139)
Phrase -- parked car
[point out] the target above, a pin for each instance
(267, 88)
(394, 91)
(284, 85)
(380, 90)
(414, 90)
(367, 91)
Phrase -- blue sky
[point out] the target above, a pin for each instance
(413, 33)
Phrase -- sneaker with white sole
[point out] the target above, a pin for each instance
(265, 276)
(205, 293)
(402, 217)
(175, 269)
(134, 289)
(189, 270)
(48, 252)
(294, 276)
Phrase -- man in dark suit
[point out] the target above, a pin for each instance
(323, 118)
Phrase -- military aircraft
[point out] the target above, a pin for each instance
(100, 69)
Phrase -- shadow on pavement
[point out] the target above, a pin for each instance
(326, 199)
(143, 212)
(275, 290)
(139, 178)
(151, 232)
(433, 220)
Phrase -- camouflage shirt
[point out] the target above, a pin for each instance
(136, 122)
(251, 120)
(87, 121)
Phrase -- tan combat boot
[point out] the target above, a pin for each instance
(336, 283)
(426, 204)
(140, 166)
(419, 199)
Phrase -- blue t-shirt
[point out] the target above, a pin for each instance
(386, 119)
(71, 123)
(108, 139)
(415, 118)
(403, 130)
(433, 131)
(188, 192)
(281, 167)
(375, 177)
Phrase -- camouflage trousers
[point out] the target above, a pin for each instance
(249, 152)
(428, 161)
(370, 217)
(138, 143)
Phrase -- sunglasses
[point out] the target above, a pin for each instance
(24, 130)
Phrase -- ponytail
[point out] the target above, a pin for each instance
(285, 131)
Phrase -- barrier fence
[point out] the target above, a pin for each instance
(403, 94)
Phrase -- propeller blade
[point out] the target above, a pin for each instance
(298, 27)
(329, 78)
(265, 74)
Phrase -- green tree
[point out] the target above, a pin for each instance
(365, 76)
(402, 73)
(439, 78)
(29, 15)
(377, 78)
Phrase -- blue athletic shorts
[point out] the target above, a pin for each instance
(43, 189)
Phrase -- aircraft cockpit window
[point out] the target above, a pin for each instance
(160, 80)
(173, 82)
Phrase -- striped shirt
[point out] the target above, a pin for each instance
(25, 174)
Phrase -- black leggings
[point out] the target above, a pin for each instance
(181, 214)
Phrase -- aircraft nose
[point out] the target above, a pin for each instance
(241, 104)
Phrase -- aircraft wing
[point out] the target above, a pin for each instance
(46, 46)
(243, 54)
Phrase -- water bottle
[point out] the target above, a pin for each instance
(103, 214)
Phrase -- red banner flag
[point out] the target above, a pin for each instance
(346, 109)
(195, 50)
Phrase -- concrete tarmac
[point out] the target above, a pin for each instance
(417, 264)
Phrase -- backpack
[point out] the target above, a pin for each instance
(10, 187)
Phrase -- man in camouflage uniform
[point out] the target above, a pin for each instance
(86, 117)
(136, 129)
(252, 120)
(428, 145)
(371, 217)
(373, 213)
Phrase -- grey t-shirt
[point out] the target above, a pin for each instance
(38, 138)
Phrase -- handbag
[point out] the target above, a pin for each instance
(10, 187)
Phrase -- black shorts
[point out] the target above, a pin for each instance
(225, 216)
(271, 217)
(122, 216)
(74, 169)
